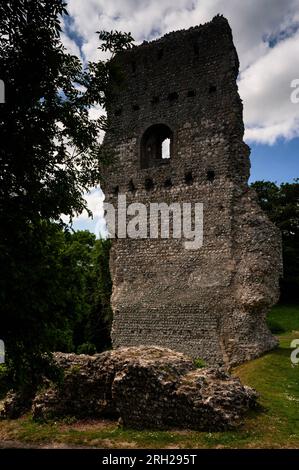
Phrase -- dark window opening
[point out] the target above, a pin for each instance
(191, 93)
(212, 89)
(135, 107)
(210, 175)
(189, 178)
(156, 146)
(118, 112)
(133, 64)
(168, 183)
(155, 99)
(160, 54)
(173, 96)
(196, 49)
(116, 190)
(132, 188)
(149, 184)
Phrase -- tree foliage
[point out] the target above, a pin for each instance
(85, 262)
(281, 203)
(49, 156)
(115, 41)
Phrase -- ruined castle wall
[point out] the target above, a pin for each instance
(209, 302)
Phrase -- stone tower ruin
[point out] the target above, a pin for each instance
(181, 91)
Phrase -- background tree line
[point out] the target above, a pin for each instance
(281, 203)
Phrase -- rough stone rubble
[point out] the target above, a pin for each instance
(146, 387)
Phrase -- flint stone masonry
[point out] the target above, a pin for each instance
(211, 302)
(147, 387)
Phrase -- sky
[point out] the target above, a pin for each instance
(266, 35)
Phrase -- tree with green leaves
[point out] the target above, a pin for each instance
(91, 332)
(281, 203)
(49, 156)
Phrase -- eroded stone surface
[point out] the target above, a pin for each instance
(203, 399)
(147, 387)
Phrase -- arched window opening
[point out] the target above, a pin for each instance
(191, 93)
(156, 146)
(196, 49)
(149, 184)
(189, 178)
(160, 54)
(155, 100)
(173, 96)
(168, 183)
(210, 175)
(131, 186)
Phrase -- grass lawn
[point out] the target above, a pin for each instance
(275, 425)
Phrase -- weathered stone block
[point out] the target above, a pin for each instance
(147, 387)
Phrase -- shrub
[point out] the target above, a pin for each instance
(87, 348)
(199, 363)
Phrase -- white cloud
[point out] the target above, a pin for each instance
(96, 224)
(95, 203)
(265, 72)
(95, 112)
(70, 45)
(266, 89)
